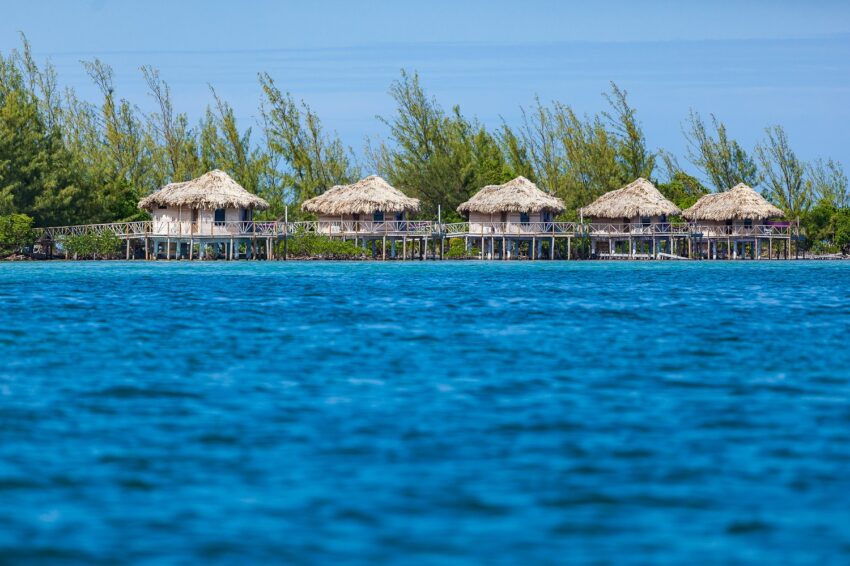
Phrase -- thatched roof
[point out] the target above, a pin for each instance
(518, 195)
(738, 203)
(215, 189)
(638, 198)
(363, 197)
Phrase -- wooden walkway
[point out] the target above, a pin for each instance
(534, 240)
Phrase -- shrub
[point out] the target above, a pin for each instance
(93, 246)
(456, 250)
(16, 233)
(316, 245)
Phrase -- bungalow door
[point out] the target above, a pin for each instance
(401, 225)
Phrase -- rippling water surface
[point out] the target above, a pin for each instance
(426, 412)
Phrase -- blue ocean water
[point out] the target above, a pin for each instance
(435, 412)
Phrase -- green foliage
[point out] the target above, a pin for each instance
(827, 228)
(721, 159)
(311, 245)
(92, 246)
(440, 158)
(682, 189)
(457, 249)
(312, 161)
(784, 173)
(632, 154)
(829, 183)
(16, 233)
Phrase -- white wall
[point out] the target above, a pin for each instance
(177, 221)
(510, 224)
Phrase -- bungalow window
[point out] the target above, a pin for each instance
(219, 217)
(748, 222)
(547, 217)
(523, 218)
(645, 220)
(162, 207)
(378, 216)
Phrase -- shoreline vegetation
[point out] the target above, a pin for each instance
(67, 161)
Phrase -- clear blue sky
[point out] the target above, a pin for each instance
(752, 63)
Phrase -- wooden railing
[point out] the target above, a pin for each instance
(419, 228)
(636, 229)
(365, 227)
(510, 228)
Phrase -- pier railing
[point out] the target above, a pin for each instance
(414, 228)
(366, 227)
(636, 229)
(242, 229)
(510, 228)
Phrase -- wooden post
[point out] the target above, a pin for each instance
(568, 247)
(285, 232)
(552, 248)
(533, 247)
(404, 248)
(147, 252)
(384, 249)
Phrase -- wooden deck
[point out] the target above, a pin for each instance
(490, 240)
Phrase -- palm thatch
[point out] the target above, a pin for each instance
(372, 194)
(215, 189)
(739, 203)
(638, 198)
(518, 195)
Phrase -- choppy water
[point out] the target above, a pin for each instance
(425, 412)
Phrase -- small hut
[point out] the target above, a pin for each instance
(512, 212)
(210, 210)
(369, 211)
(738, 218)
(510, 207)
(637, 214)
(739, 206)
(369, 205)
(202, 206)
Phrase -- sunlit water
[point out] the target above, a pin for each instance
(425, 412)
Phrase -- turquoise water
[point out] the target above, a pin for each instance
(425, 412)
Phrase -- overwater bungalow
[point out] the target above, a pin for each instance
(500, 217)
(735, 224)
(210, 210)
(632, 222)
(369, 211)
